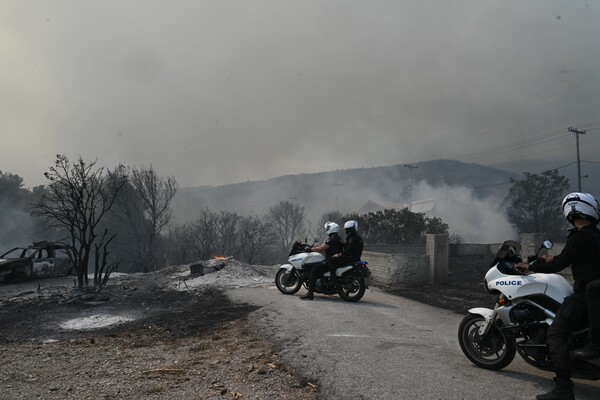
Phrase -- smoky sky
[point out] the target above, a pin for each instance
(216, 92)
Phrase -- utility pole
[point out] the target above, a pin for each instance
(577, 132)
(337, 195)
(411, 181)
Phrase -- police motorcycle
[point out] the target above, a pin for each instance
(352, 280)
(524, 310)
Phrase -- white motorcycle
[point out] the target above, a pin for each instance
(525, 308)
(352, 280)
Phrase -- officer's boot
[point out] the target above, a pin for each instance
(562, 391)
(308, 296)
(311, 288)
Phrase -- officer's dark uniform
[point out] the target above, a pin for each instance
(335, 246)
(353, 249)
(592, 299)
(582, 253)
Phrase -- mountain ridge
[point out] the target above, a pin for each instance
(346, 189)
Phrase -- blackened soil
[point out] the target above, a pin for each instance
(182, 345)
(463, 290)
(175, 314)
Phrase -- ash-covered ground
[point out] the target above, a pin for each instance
(164, 335)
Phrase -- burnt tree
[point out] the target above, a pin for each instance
(79, 196)
(256, 235)
(287, 219)
(142, 212)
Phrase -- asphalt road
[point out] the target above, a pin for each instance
(386, 347)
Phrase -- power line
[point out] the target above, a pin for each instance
(507, 182)
(591, 125)
(536, 140)
(516, 145)
(566, 165)
(492, 185)
(533, 141)
(549, 150)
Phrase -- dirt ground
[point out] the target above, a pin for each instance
(179, 344)
(182, 345)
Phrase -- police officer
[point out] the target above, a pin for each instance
(333, 245)
(582, 253)
(353, 248)
(592, 300)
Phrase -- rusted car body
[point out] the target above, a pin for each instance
(41, 259)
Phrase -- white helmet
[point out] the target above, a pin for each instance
(352, 224)
(581, 205)
(331, 227)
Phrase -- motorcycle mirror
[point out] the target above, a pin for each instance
(545, 245)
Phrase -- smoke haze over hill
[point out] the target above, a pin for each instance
(461, 192)
(217, 92)
(214, 92)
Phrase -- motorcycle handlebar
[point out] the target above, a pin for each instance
(510, 268)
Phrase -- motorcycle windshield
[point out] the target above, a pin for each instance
(508, 249)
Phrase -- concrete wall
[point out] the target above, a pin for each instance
(457, 250)
(403, 248)
(407, 265)
(437, 250)
(394, 269)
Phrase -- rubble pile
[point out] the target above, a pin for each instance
(223, 274)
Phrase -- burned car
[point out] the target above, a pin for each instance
(41, 259)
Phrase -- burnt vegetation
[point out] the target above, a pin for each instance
(122, 219)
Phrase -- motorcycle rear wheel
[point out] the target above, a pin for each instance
(288, 282)
(491, 351)
(352, 288)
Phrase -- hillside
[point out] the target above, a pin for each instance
(319, 193)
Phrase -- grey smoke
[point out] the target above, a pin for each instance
(216, 92)
(474, 219)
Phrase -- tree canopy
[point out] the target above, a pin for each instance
(535, 203)
(395, 226)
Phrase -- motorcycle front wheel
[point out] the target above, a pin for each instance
(490, 351)
(352, 288)
(288, 282)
